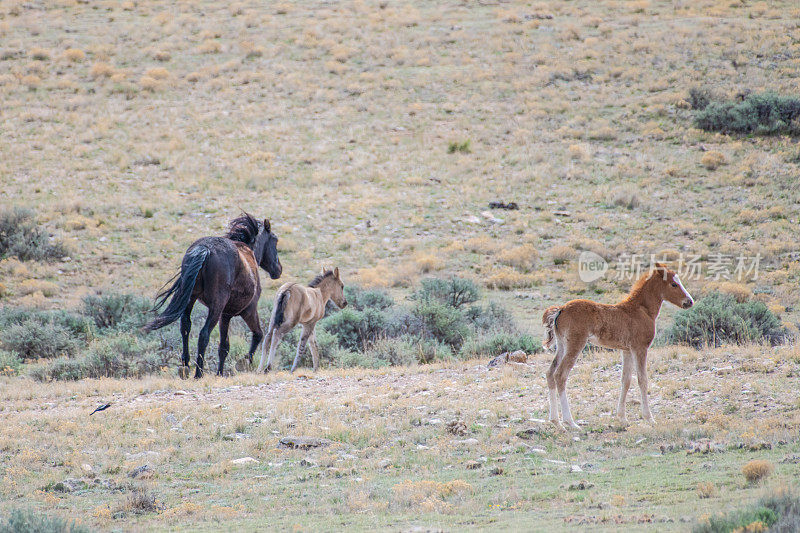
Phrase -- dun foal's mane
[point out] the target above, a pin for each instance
(320, 277)
(244, 229)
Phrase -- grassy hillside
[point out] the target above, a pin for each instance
(135, 127)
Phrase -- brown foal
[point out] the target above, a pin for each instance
(629, 326)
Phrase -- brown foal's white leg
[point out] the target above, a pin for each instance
(641, 373)
(627, 377)
(561, 375)
(551, 384)
(275, 336)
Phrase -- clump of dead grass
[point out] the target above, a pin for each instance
(520, 257)
(712, 160)
(757, 470)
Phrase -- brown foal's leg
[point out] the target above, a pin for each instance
(573, 349)
(641, 373)
(551, 382)
(627, 377)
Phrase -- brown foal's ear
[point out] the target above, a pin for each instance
(336, 272)
(267, 225)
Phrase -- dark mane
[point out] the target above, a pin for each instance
(243, 229)
(318, 279)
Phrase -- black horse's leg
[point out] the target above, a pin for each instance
(224, 344)
(214, 315)
(250, 318)
(186, 328)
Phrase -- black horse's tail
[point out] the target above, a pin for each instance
(181, 290)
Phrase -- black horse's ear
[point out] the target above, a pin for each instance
(266, 225)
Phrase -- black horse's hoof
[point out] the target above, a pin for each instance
(198, 374)
(183, 372)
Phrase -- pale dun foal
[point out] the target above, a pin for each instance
(295, 304)
(629, 326)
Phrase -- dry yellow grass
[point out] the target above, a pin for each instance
(757, 470)
(75, 55)
(713, 160)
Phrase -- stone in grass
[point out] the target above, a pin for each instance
(68, 485)
(581, 485)
(497, 471)
(236, 436)
(302, 443)
(472, 465)
(244, 461)
(141, 472)
(518, 356)
(457, 427)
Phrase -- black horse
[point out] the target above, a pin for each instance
(221, 272)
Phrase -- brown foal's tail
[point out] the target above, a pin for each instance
(549, 320)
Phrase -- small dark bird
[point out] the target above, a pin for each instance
(101, 408)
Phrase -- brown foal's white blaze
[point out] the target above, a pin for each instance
(628, 326)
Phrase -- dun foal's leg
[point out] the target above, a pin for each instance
(312, 343)
(214, 314)
(301, 346)
(224, 342)
(562, 373)
(641, 373)
(274, 338)
(627, 377)
(252, 321)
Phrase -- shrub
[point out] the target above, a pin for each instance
(34, 521)
(706, 489)
(740, 520)
(759, 114)
(757, 469)
(495, 344)
(463, 147)
(394, 352)
(718, 319)
(33, 339)
(493, 317)
(442, 322)
(10, 363)
(21, 236)
(116, 356)
(34, 333)
(787, 506)
(354, 329)
(112, 310)
(360, 299)
(454, 292)
(699, 98)
(344, 358)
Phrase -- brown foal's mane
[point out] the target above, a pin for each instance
(320, 278)
(639, 287)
